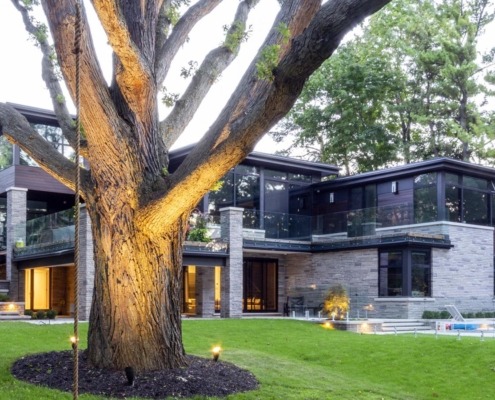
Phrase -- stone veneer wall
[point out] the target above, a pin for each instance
(312, 275)
(463, 275)
(86, 267)
(16, 229)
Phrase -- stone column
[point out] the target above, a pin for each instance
(86, 267)
(16, 230)
(231, 276)
(205, 291)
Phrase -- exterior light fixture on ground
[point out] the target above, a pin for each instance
(130, 375)
(327, 325)
(216, 352)
(73, 341)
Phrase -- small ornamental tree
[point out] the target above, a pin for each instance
(139, 209)
(336, 302)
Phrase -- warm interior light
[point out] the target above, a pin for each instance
(216, 352)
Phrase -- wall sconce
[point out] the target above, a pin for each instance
(395, 187)
(331, 197)
(216, 352)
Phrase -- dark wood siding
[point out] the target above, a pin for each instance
(385, 197)
(34, 178)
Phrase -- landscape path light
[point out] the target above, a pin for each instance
(216, 352)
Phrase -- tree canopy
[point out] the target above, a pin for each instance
(414, 85)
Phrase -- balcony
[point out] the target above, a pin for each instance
(48, 234)
(55, 233)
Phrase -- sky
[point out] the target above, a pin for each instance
(20, 69)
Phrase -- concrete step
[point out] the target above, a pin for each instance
(5, 316)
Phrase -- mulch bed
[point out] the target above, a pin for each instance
(203, 377)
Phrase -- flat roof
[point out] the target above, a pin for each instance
(39, 115)
(416, 168)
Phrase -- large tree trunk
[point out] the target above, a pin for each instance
(135, 316)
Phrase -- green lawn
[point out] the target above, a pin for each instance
(299, 360)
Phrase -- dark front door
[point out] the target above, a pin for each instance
(260, 285)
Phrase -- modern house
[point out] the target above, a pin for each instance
(403, 240)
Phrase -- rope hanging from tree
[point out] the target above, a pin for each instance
(75, 339)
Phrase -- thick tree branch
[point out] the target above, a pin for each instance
(213, 65)
(18, 130)
(102, 124)
(257, 105)
(51, 79)
(163, 25)
(169, 47)
(134, 76)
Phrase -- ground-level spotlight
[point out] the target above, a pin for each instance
(73, 341)
(11, 307)
(216, 352)
(130, 375)
(327, 325)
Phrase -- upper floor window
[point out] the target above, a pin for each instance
(53, 135)
(5, 153)
(425, 198)
(467, 199)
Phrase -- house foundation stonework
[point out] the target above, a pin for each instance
(400, 241)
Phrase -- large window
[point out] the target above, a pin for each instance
(425, 198)
(53, 135)
(467, 199)
(5, 153)
(404, 272)
(239, 188)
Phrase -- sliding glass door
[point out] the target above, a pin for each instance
(260, 285)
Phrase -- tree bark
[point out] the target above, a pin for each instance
(136, 312)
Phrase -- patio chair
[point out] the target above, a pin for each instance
(296, 304)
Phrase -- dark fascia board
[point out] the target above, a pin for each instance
(36, 115)
(377, 242)
(403, 171)
(271, 161)
(43, 116)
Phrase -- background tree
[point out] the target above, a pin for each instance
(139, 210)
(432, 100)
(339, 117)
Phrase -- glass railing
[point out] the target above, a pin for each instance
(279, 225)
(53, 231)
(364, 222)
(56, 231)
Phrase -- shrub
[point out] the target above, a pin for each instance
(432, 315)
(40, 314)
(4, 297)
(29, 313)
(198, 231)
(51, 314)
(444, 314)
(336, 302)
